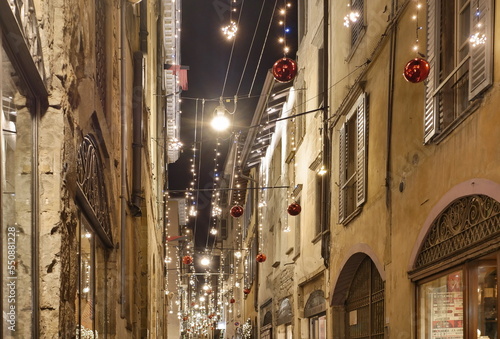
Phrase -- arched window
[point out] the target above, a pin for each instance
(456, 271)
(94, 240)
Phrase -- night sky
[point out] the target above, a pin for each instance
(207, 52)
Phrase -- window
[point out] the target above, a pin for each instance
(319, 204)
(352, 160)
(17, 203)
(464, 286)
(94, 240)
(443, 299)
(317, 327)
(91, 296)
(358, 23)
(321, 77)
(459, 51)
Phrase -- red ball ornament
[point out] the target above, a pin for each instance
(261, 257)
(416, 70)
(294, 209)
(284, 70)
(246, 291)
(232, 300)
(236, 211)
(209, 291)
(187, 260)
(185, 318)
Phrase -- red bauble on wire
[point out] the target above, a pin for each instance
(236, 211)
(294, 209)
(261, 257)
(187, 260)
(232, 300)
(416, 70)
(284, 70)
(246, 291)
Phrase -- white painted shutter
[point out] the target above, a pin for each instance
(481, 55)
(361, 150)
(430, 109)
(342, 171)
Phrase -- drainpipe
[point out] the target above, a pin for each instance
(390, 99)
(123, 160)
(137, 123)
(325, 181)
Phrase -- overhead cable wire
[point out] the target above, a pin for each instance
(251, 46)
(263, 48)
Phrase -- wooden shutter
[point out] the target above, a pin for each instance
(342, 171)
(481, 55)
(361, 150)
(430, 121)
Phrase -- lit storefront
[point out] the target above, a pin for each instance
(23, 93)
(456, 266)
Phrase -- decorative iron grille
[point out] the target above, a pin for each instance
(90, 181)
(465, 223)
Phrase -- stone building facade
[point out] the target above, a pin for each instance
(82, 177)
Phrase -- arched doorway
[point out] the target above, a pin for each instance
(358, 300)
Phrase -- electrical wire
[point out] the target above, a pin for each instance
(251, 46)
(263, 47)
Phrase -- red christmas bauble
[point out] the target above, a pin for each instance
(209, 291)
(185, 318)
(261, 257)
(187, 260)
(246, 291)
(284, 70)
(294, 209)
(232, 300)
(416, 70)
(236, 211)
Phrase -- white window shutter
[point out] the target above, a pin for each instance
(481, 55)
(361, 142)
(430, 110)
(342, 171)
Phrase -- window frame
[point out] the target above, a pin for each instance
(358, 115)
(469, 288)
(478, 64)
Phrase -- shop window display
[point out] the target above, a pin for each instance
(16, 156)
(461, 303)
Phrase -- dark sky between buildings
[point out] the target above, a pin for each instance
(217, 68)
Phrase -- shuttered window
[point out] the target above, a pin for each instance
(352, 159)
(459, 51)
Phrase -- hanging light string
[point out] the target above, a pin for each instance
(282, 22)
(199, 162)
(231, 54)
(416, 47)
(193, 203)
